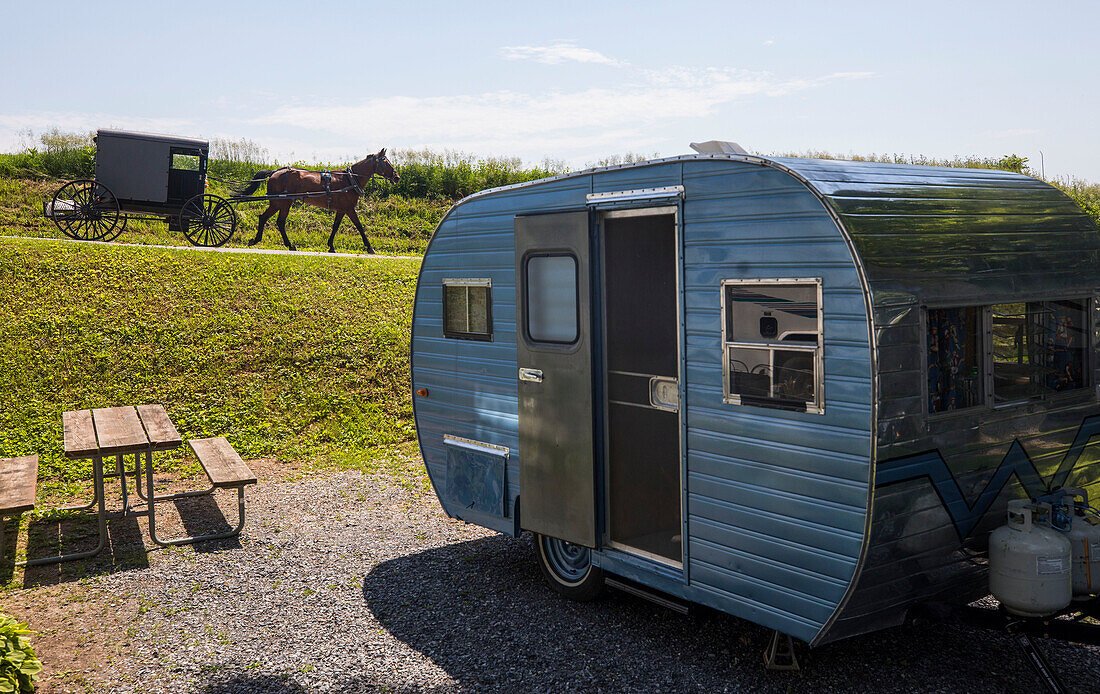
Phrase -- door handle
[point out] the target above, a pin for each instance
(530, 375)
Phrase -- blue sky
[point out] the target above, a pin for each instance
(571, 81)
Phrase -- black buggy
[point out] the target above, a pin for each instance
(144, 176)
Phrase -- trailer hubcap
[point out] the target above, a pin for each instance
(569, 561)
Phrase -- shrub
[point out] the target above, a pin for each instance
(19, 666)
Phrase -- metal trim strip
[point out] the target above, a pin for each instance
(479, 446)
(638, 195)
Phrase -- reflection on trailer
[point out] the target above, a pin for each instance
(798, 391)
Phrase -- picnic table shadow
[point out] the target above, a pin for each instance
(126, 548)
(481, 611)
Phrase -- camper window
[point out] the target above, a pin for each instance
(771, 336)
(1039, 348)
(955, 374)
(551, 287)
(467, 309)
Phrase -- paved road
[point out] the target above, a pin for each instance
(259, 251)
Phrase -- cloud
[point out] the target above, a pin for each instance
(558, 53)
(510, 116)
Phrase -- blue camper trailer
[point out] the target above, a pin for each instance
(798, 391)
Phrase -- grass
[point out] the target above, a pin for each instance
(299, 358)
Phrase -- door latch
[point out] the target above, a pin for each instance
(530, 375)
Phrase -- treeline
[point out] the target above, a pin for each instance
(447, 175)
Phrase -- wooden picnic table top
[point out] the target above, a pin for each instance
(118, 430)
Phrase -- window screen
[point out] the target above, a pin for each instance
(954, 358)
(772, 342)
(1038, 348)
(551, 288)
(467, 309)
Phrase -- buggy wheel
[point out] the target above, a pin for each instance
(114, 233)
(208, 220)
(568, 568)
(85, 210)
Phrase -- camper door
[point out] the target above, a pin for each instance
(554, 350)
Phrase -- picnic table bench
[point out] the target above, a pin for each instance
(121, 431)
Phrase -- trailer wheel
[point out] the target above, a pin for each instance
(568, 568)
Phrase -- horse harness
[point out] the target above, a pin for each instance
(326, 180)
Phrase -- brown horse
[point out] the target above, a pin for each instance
(334, 190)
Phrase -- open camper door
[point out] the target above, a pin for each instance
(554, 350)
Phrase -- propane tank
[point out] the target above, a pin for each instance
(1084, 539)
(1029, 564)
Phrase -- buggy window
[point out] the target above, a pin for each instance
(467, 309)
(185, 162)
(772, 343)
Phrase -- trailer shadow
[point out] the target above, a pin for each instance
(481, 612)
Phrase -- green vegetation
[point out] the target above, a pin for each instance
(19, 666)
(300, 358)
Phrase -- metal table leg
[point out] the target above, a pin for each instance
(120, 469)
(196, 538)
(164, 497)
(97, 468)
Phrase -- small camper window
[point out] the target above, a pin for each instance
(955, 374)
(771, 335)
(467, 309)
(1039, 348)
(551, 286)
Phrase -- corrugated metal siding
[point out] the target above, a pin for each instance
(929, 236)
(471, 384)
(776, 500)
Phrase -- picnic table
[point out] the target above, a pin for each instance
(118, 432)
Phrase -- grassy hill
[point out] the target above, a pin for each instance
(399, 218)
(302, 358)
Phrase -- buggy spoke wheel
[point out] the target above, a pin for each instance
(208, 220)
(86, 211)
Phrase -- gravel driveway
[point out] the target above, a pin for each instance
(348, 583)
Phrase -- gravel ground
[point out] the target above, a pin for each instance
(351, 583)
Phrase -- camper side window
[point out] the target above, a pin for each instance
(467, 309)
(772, 342)
(1039, 348)
(954, 345)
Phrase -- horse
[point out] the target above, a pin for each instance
(334, 190)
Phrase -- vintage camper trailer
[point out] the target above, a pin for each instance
(798, 391)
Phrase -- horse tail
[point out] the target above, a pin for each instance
(251, 186)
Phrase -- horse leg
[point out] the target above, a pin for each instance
(359, 225)
(264, 216)
(335, 226)
(280, 222)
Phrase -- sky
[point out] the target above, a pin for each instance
(573, 82)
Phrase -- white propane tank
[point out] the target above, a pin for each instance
(1084, 539)
(1029, 565)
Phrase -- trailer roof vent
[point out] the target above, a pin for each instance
(718, 147)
